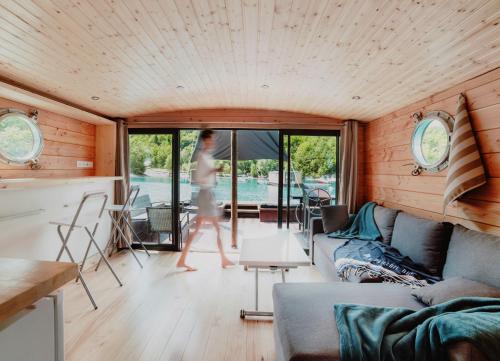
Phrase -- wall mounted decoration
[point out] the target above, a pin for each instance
(21, 139)
(430, 141)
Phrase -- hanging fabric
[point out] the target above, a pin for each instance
(465, 169)
(349, 165)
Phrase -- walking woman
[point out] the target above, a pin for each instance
(207, 206)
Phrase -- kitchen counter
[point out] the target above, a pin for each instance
(23, 183)
(24, 282)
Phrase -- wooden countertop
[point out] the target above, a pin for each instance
(23, 282)
(23, 183)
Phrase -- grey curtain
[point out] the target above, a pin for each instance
(349, 165)
(122, 169)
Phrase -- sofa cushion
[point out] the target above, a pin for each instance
(334, 217)
(305, 327)
(385, 218)
(423, 240)
(453, 288)
(473, 255)
(327, 244)
(322, 255)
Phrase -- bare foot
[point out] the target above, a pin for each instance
(188, 268)
(226, 263)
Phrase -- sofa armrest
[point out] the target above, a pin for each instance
(316, 224)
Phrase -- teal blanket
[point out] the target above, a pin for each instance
(363, 226)
(390, 334)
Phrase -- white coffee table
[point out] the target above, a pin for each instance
(278, 251)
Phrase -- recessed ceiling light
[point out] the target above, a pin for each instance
(264, 86)
(356, 97)
(94, 97)
(179, 87)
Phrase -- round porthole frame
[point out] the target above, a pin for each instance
(31, 121)
(447, 122)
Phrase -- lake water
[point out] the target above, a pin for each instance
(249, 189)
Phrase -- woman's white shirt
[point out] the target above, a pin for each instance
(205, 175)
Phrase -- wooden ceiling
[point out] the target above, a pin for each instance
(149, 56)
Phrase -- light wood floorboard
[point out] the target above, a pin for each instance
(163, 314)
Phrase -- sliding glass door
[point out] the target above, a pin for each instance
(257, 179)
(283, 176)
(153, 164)
(310, 173)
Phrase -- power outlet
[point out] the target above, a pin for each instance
(84, 164)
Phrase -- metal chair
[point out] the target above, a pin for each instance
(121, 213)
(314, 200)
(85, 221)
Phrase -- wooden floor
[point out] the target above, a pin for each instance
(163, 314)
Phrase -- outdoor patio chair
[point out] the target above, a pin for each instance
(160, 221)
(139, 215)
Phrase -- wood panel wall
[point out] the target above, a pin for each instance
(388, 161)
(235, 118)
(66, 141)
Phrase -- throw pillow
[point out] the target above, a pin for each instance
(453, 288)
(334, 217)
(423, 240)
(385, 218)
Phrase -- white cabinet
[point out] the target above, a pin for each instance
(35, 334)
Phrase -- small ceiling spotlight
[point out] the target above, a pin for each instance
(94, 97)
(179, 87)
(356, 97)
(264, 86)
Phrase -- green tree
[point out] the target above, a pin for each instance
(138, 155)
(314, 156)
(253, 170)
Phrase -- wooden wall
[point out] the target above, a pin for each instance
(388, 161)
(66, 141)
(235, 118)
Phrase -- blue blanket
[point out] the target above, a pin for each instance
(365, 257)
(385, 256)
(400, 334)
(363, 226)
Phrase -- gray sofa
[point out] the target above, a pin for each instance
(304, 324)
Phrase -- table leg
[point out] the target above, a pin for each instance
(256, 312)
(256, 289)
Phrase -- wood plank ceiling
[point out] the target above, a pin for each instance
(147, 56)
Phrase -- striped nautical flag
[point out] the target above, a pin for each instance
(465, 169)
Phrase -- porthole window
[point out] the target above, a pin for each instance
(430, 143)
(21, 140)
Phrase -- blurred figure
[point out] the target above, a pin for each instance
(207, 206)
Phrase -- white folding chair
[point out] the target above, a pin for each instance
(86, 221)
(122, 212)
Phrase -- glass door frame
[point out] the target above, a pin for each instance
(306, 132)
(176, 239)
